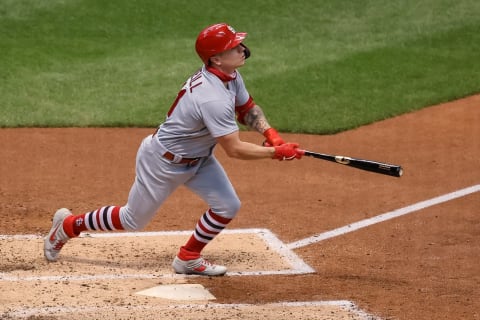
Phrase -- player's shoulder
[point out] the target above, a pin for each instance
(206, 85)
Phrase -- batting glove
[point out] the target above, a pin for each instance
(273, 138)
(288, 151)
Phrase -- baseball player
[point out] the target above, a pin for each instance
(180, 152)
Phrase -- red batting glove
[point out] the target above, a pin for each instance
(273, 138)
(288, 151)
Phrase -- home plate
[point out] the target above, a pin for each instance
(179, 292)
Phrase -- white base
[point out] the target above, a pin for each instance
(179, 292)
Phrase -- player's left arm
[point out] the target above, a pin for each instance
(236, 148)
(252, 115)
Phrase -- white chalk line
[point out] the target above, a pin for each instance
(345, 305)
(285, 250)
(383, 217)
(298, 266)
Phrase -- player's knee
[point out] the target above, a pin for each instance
(229, 208)
(131, 221)
(236, 206)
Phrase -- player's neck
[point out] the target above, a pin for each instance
(222, 75)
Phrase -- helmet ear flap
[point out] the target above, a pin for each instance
(247, 51)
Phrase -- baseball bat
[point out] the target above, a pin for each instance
(362, 164)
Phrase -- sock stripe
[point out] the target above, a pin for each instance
(97, 220)
(209, 225)
(201, 237)
(89, 220)
(103, 219)
(105, 214)
(109, 222)
(203, 230)
(115, 218)
(218, 219)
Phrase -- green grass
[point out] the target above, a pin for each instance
(316, 66)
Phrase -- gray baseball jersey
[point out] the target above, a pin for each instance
(203, 111)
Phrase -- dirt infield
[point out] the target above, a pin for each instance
(421, 265)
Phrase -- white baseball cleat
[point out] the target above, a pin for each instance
(198, 266)
(56, 238)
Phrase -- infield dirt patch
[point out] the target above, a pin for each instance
(420, 266)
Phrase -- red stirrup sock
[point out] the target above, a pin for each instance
(209, 226)
(103, 219)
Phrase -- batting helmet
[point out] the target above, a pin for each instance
(218, 38)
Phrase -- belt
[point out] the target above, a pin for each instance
(190, 161)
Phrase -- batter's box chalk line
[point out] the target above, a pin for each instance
(297, 265)
(384, 217)
(345, 305)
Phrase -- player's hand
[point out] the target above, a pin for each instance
(273, 138)
(288, 151)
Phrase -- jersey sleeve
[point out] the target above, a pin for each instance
(241, 93)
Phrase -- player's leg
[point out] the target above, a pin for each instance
(153, 184)
(211, 183)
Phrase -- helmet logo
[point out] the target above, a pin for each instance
(231, 29)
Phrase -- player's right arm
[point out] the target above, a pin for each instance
(254, 118)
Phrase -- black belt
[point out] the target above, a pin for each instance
(190, 161)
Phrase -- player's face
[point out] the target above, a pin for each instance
(232, 59)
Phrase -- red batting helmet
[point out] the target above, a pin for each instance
(218, 38)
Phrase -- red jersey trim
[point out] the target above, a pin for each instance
(222, 76)
(242, 110)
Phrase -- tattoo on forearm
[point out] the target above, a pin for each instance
(255, 119)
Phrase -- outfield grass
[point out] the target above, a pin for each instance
(316, 66)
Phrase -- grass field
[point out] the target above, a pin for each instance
(316, 66)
